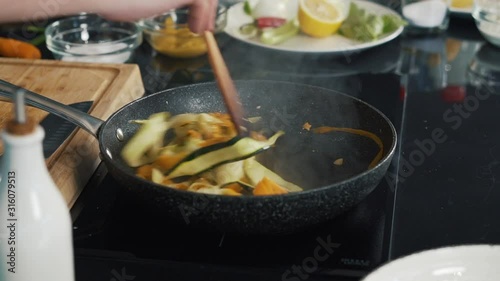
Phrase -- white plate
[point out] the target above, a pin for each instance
(305, 44)
(459, 263)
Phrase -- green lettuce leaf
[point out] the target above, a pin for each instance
(363, 26)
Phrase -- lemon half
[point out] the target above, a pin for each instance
(320, 18)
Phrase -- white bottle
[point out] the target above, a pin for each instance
(35, 224)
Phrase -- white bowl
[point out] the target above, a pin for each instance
(487, 16)
(458, 263)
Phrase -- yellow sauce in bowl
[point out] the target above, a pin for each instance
(178, 42)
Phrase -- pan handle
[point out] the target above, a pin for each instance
(81, 119)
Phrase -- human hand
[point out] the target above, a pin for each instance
(202, 13)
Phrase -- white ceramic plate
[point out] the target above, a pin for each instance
(460, 263)
(305, 44)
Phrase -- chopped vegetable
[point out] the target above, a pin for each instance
(338, 162)
(145, 171)
(278, 35)
(229, 191)
(268, 187)
(306, 126)
(273, 21)
(149, 134)
(18, 49)
(254, 119)
(205, 155)
(241, 149)
(256, 172)
(363, 26)
(247, 8)
(266, 22)
(249, 29)
(372, 136)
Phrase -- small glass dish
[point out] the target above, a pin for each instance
(487, 16)
(484, 69)
(169, 33)
(91, 38)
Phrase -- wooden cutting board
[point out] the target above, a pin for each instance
(109, 86)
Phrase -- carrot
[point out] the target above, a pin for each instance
(18, 49)
(231, 192)
(235, 187)
(145, 171)
(268, 187)
(167, 162)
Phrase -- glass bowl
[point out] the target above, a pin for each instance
(169, 33)
(484, 69)
(91, 38)
(487, 16)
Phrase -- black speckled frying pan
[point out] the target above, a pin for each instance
(300, 156)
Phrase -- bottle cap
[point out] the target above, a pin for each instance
(20, 124)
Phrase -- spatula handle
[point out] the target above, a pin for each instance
(225, 83)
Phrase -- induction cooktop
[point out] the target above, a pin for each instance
(117, 238)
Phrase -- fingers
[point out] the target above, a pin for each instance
(213, 16)
(202, 15)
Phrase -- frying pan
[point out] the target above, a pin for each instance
(300, 156)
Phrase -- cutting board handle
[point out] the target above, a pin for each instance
(81, 119)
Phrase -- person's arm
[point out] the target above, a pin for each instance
(202, 12)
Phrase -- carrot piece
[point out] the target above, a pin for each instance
(167, 162)
(18, 49)
(170, 183)
(145, 171)
(257, 136)
(268, 187)
(229, 191)
(194, 134)
(235, 187)
(306, 126)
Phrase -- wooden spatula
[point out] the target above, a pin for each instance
(226, 85)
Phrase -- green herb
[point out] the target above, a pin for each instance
(392, 23)
(38, 40)
(247, 8)
(362, 26)
(34, 28)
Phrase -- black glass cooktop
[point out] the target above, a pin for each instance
(115, 237)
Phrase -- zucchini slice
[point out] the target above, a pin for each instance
(137, 151)
(256, 172)
(215, 155)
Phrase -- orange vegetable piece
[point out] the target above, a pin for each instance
(257, 136)
(18, 49)
(268, 187)
(145, 171)
(170, 183)
(306, 126)
(235, 187)
(229, 191)
(167, 162)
